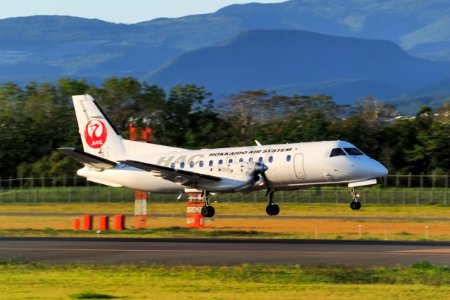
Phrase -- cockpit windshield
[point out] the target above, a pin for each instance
(337, 152)
(353, 151)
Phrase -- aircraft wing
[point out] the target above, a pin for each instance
(87, 159)
(182, 177)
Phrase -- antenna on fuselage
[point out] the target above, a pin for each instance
(258, 143)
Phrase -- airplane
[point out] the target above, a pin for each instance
(111, 160)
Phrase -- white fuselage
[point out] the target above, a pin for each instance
(289, 166)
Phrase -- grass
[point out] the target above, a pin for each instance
(236, 209)
(325, 194)
(169, 232)
(420, 281)
(91, 295)
(256, 226)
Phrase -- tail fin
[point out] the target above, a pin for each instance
(98, 135)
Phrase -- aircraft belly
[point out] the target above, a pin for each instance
(139, 180)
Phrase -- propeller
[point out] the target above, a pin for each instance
(259, 173)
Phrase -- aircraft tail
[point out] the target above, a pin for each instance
(98, 135)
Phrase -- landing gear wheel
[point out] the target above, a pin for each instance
(208, 211)
(355, 205)
(272, 209)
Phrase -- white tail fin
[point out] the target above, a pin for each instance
(98, 135)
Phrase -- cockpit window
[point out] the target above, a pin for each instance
(337, 152)
(353, 151)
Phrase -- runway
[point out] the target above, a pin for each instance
(223, 251)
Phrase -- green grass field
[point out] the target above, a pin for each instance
(21, 280)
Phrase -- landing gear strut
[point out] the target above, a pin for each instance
(355, 204)
(272, 209)
(207, 210)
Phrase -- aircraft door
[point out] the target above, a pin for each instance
(299, 166)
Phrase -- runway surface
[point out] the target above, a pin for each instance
(223, 251)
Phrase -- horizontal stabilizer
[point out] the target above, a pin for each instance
(87, 159)
(182, 177)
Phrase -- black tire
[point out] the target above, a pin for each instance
(272, 209)
(205, 211)
(355, 205)
(211, 212)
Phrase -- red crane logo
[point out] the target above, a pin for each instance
(95, 133)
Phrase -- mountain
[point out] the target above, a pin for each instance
(419, 26)
(42, 48)
(282, 59)
(93, 48)
(55, 46)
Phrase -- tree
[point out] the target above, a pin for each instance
(13, 133)
(243, 109)
(38, 118)
(118, 97)
(189, 120)
(296, 119)
(368, 127)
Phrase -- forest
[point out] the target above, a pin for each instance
(38, 118)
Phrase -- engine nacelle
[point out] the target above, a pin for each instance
(238, 177)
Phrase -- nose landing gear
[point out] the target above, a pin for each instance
(355, 204)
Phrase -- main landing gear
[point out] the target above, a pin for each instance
(272, 209)
(207, 210)
(355, 204)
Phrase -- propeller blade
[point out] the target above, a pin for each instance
(259, 173)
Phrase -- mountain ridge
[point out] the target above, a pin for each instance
(49, 47)
(270, 58)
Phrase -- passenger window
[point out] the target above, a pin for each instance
(220, 161)
(172, 165)
(200, 164)
(182, 165)
(353, 151)
(230, 161)
(211, 163)
(337, 152)
(191, 164)
(270, 159)
(241, 160)
(250, 159)
(260, 160)
(288, 158)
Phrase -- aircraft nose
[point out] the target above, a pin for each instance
(378, 169)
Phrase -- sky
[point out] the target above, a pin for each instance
(116, 11)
